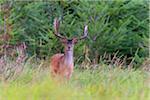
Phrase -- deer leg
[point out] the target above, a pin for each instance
(69, 73)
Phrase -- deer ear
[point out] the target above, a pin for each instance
(63, 41)
(75, 40)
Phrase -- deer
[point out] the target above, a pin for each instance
(62, 64)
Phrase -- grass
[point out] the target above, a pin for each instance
(100, 84)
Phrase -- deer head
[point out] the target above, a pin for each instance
(68, 43)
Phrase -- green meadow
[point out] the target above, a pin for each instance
(103, 83)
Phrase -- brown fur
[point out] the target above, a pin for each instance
(58, 68)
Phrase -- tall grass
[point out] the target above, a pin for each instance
(103, 83)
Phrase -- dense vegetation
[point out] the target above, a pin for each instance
(117, 41)
(115, 28)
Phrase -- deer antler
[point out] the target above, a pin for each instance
(85, 34)
(56, 28)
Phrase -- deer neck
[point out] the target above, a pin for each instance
(69, 58)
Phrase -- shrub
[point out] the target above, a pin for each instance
(114, 26)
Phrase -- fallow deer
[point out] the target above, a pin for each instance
(62, 64)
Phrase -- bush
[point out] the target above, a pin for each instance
(114, 26)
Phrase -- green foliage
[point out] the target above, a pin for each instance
(118, 26)
(113, 26)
